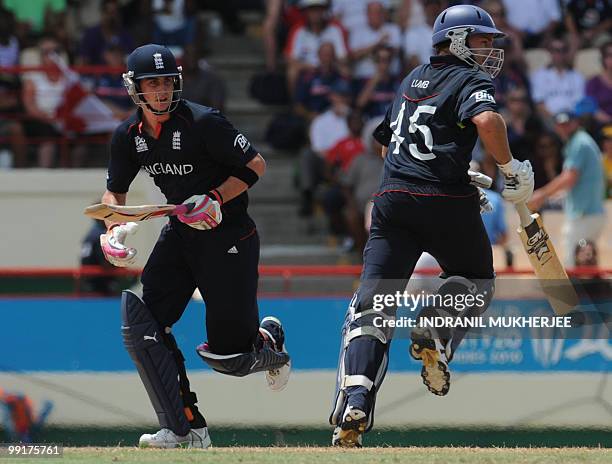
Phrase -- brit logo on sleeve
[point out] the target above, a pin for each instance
(242, 142)
(141, 144)
(159, 63)
(483, 96)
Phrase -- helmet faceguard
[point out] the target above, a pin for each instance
(489, 60)
(138, 96)
(152, 61)
(456, 23)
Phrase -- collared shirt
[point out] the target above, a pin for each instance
(195, 151)
(428, 128)
(586, 197)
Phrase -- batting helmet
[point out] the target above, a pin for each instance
(455, 24)
(149, 61)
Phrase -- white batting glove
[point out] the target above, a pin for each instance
(113, 244)
(518, 180)
(485, 204)
(205, 215)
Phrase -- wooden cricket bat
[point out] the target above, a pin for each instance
(546, 265)
(118, 213)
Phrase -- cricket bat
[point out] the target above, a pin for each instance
(546, 265)
(118, 213)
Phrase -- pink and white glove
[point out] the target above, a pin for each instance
(113, 247)
(205, 215)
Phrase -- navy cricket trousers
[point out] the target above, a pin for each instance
(222, 263)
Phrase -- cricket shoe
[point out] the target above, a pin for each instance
(272, 332)
(166, 438)
(429, 349)
(350, 431)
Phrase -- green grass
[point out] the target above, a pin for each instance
(308, 455)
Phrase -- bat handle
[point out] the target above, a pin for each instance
(524, 214)
(183, 209)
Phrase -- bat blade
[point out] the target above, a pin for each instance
(118, 213)
(546, 265)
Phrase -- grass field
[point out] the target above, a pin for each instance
(313, 455)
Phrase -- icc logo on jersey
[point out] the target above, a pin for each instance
(141, 144)
(176, 140)
(242, 142)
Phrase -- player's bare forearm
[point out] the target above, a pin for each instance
(494, 136)
(232, 186)
(383, 152)
(112, 198)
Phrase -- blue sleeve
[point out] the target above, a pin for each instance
(477, 96)
(575, 158)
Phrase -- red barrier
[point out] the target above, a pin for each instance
(286, 272)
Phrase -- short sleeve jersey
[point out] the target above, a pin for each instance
(196, 151)
(428, 128)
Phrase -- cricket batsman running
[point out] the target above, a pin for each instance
(194, 155)
(426, 203)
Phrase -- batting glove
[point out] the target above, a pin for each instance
(205, 215)
(113, 244)
(518, 181)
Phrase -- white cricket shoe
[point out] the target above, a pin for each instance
(272, 331)
(166, 438)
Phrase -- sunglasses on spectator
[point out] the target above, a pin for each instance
(558, 49)
(48, 51)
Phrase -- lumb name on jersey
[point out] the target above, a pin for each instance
(167, 168)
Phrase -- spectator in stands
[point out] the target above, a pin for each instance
(583, 180)
(109, 87)
(110, 31)
(522, 123)
(314, 86)
(11, 130)
(588, 21)
(174, 23)
(558, 87)
(360, 182)
(535, 19)
(376, 94)
(205, 86)
(304, 41)
(546, 159)
(364, 42)
(42, 94)
(326, 130)
(495, 224)
(417, 40)
(9, 45)
(281, 17)
(606, 145)
(30, 15)
(600, 87)
(338, 161)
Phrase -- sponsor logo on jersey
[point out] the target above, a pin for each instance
(176, 140)
(141, 144)
(159, 63)
(483, 95)
(169, 168)
(242, 142)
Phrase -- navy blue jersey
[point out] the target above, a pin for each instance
(196, 151)
(428, 130)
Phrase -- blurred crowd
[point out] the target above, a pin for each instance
(51, 116)
(344, 60)
(334, 65)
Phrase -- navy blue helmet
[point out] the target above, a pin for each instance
(455, 24)
(149, 61)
